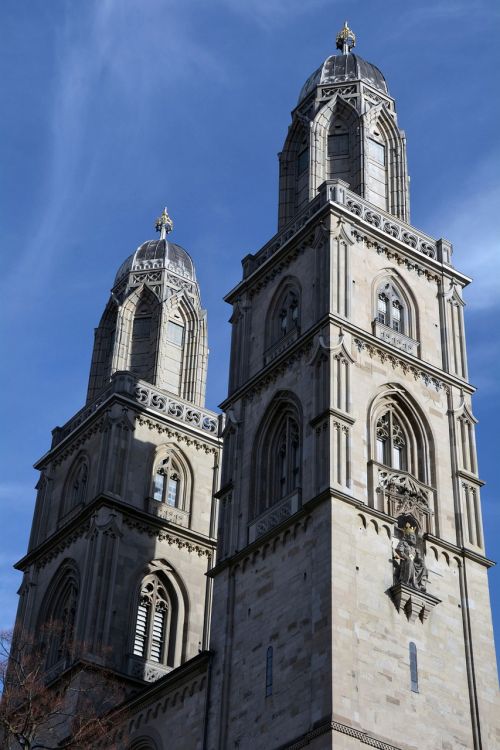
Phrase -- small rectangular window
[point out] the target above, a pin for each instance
(376, 151)
(303, 161)
(269, 672)
(175, 333)
(338, 145)
(413, 668)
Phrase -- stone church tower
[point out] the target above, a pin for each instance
(124, 532)
(350, 594)
(351, 603)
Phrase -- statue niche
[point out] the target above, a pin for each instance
(409, 591)
(410, 567)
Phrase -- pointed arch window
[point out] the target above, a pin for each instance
(278, 459)
(167, 483)
(142, 349)
(391, 310)
(76, 487)
(391, 442)
(60, 624)
(152, 624)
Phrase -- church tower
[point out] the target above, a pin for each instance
(351, 603)
(123, 532)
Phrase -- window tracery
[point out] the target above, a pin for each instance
(278, 458)
(154, 613)
(59, 622)
(167, 483)
(391, 442)
(75, 491)
(391, 310)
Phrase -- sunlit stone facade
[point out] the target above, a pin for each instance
(348, 603)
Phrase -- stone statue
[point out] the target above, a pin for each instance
(412, 570)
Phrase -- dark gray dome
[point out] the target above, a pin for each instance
(342, 69)
(158, 254)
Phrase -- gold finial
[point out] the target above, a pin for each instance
(164, 224)
(346, 39)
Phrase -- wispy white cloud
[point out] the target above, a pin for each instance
(99, 58)
(267, 13)
(472, 222)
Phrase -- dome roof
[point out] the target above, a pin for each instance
(342, 69)
(158, 254)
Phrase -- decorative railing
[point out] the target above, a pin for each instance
(397, 339)
(167, 512)
(126, 384)
(274, 516)
(191, 415)
(59, 433)
(147, 670)
(337, 191)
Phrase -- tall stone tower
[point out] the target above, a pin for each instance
(124, 532)
(351, 603)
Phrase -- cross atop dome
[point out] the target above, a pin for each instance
(346, 39)
(164, 224)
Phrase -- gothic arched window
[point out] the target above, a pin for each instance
(141, 344)
(75, 490)
(278, 457)
(59, 623)
(391, 309)
(391, 442)
(283, 318)
(152, 626)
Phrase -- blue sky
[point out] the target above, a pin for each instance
(112, 108)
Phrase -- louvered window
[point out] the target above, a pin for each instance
(152, 621)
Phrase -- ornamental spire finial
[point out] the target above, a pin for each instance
(164, 224)
(346, 39)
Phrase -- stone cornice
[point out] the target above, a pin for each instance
(462, 552)
(324, 204)
(328, 726)
(142, 521)
(430, 374)
(181, 429)
(250, 550)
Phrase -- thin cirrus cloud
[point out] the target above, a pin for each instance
(101, 66)
(473, 223)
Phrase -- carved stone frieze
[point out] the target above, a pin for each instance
(165, 536)
(273, 516)
(185, 412)
(163, 429)
(418, 374)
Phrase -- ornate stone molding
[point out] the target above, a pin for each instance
(168, 513)
(418, 374)
(412, 602)
(337, 726)
(166, 536)
(274, 516)
(278, 370)
(163, 429)
(395, 338)
(63, 545)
